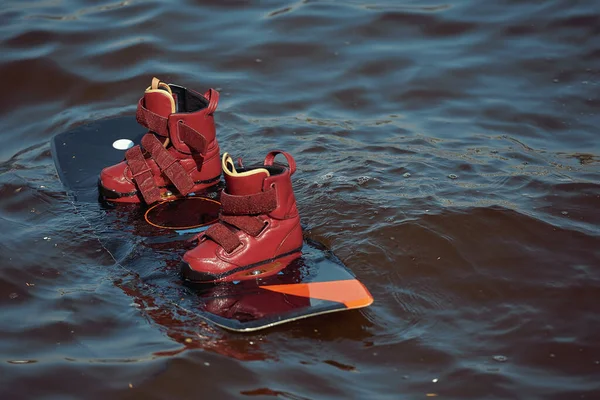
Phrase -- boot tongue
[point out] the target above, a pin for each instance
(158, 98)
(242, 183)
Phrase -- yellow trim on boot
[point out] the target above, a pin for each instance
(229, 168)
(157, 84)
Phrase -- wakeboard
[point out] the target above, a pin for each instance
(149, 242)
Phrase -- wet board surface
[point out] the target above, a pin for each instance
(148, 242)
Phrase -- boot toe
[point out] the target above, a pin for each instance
(114, 179)
(201, 264)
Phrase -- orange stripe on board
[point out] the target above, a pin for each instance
(351, 292)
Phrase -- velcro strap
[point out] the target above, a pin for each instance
(168, 164)
(142, 175)
(223, 237)
(194, 139)
(254, 204)
(251, 225)
(154, 122)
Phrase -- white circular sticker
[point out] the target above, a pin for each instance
(122, 144)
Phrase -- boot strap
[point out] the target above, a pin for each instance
(183, 134)
(190, 137)
(223, 236)
(226, 238)
(168, 164)
(152, 121)
(239, 212)
(253, 226)
(142, 174)
(253, 204)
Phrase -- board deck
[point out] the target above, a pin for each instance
(149, 242)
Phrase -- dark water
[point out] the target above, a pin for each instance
(448, 153)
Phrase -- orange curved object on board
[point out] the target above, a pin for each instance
(351, 292)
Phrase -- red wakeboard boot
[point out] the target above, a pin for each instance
(179, 155)
(258, 233)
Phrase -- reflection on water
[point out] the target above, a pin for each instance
(447, 153)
